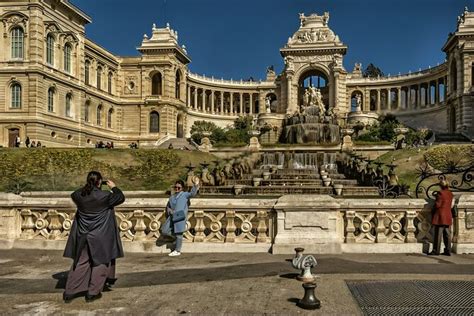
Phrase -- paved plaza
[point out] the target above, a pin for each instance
(31, 282)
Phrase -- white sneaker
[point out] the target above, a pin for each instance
(174, 253)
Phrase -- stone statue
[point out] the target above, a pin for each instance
(268, 104)
(325, 18)
(358, 97)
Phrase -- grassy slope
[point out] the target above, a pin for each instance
(117, 164)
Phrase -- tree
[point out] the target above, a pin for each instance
(372, 71)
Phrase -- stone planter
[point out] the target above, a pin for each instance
(327, 182)
(256, 181)
(266, 175)
(400, 130)
(338, 189)
(206, 134)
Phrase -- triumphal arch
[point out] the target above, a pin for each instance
(60, 88)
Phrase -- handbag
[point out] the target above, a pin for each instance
(454, 211)
(178, 216)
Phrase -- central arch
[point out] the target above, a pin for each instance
(317, 78)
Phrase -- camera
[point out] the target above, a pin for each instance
(104, 182)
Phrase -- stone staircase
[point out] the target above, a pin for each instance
(178, 143)
(450, 138)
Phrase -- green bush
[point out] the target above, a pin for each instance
(447, 158)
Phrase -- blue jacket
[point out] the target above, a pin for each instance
(179, 202)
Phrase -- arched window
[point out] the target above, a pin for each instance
(156, 82)
(109, 118)
(154, 122)
(51, 100)
(16, 96)
(87, 71)
(99, 77)
(67, 58)
(177, 91)
(109, 82)
(68, 105)
(50, 50)
(17, 38)
(86, 111)
(99, 115)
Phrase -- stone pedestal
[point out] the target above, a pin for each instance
(310, 222)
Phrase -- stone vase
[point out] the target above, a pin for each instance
(338, 189)
(256, 181)
(327, 182)
(266, 175)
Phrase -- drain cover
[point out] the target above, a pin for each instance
(414, 297)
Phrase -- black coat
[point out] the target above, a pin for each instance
(95, 224)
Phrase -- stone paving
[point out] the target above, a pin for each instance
(31, 282)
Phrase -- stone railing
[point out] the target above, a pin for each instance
(319, 223)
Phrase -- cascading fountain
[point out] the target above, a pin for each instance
(312, 123)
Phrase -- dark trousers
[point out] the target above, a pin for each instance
(442, 230)
(86, 277)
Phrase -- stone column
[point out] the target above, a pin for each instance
(203, 100)
(195, 98)
(231, 103)
(399, 98)
(241, 103)
(389, 97)
(289, 109)
(251, 103)
(222, 102)
(377, 106)
(212, 101)
(436, 94)
(188, 97)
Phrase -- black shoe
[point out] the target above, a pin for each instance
(447, 253)
(433, 253)
(68, 298)
(90, 298)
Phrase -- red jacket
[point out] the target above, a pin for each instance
(442, 212)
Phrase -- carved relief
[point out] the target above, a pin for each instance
(130, 85)
(14, 19)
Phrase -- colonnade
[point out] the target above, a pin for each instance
(402, 98)
(223, 102)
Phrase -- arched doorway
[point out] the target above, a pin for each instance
(452, 120)
(179, 126)
(317, 79)
(13, 133)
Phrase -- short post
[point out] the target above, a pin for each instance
(309, 300)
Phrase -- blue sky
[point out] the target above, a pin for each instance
(239, 38)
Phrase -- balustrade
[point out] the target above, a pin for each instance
(226, 226)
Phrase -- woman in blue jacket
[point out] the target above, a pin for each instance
(177, 214)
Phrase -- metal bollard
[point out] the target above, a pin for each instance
(309, 301)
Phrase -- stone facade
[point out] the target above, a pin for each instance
(62, 89)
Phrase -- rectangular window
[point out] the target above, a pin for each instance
(50, 50)
(16, 96)
(67, 58)
(68, 106)
(50, 100)
(17, 43)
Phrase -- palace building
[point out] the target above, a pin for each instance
(60, 88)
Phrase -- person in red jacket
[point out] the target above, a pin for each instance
(442, 219)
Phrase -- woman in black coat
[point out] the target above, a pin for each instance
(94, 241)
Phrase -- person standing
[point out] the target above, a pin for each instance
(177, 213)
(442, 219)
(94, 241)
(27, 141)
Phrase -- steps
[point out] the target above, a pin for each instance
(177, 143)
(451, 138)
